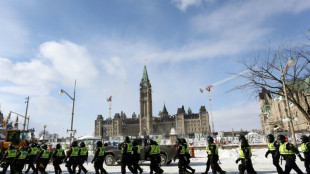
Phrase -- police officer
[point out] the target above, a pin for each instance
(43, 158)
(213, 157)
(32, 153)
(73, 155)
(99, 158)
(288, 151)
(82, 157)
(187, 155)
(245, 157)
(136, 157)
(8, 158)
(305, 147)
(152, 151)
(126, 148)
(273, 148)
(181, 155)
(20, 159)
(58, 156)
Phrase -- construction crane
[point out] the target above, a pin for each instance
(208, 88)
(110, 98)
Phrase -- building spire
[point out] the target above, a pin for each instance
(145, 77)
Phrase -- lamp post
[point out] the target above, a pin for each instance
(290, 62)
(62, 92)
(44, 133)
(27, 101)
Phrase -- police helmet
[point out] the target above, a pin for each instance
(127, 139)
(99, 143)
(149, 141)
(304, 138)
(44, 146)
(82, 144)
(21, 148)
(11, 146)
(134, 143)
(74, 144)
(270, 138)
(57, 146)
(210, 139)
(183, 140)
(281, 138)
(179, 141)
(241, 137)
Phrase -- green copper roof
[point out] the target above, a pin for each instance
(145, 77)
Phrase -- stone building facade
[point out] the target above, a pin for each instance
(146, 124)
(273, 112)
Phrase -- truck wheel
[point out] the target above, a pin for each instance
(163, 159)
(110, 160)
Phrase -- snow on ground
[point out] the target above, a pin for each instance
(227, 159)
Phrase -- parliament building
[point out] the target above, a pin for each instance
(185, 123)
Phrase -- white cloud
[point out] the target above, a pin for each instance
(114, 66)
(69, 61)
(184, 4)
(242, 116)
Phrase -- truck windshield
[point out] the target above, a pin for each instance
(23, 136)
(12, 136)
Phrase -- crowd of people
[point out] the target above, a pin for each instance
(38, 156)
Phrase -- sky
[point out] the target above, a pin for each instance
(186, 45)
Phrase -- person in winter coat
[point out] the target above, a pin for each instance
(305, 147)
(273, 148)
(245, 155)
(58, 155)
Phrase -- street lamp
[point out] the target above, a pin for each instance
(290, 62)
(62, 92)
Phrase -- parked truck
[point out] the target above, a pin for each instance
(17, 137)
(113, 155)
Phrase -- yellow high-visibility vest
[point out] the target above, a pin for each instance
(84, 151)
(11, 153)
(283, 150)
(209, 151)
(154, 150)
(304, 147)
(74, 151)
(271, 146)
(241, 154)
(46, 153)
(101, 151)
(23, 155)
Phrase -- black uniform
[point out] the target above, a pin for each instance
(136, 158)
(126, 148)
(99, 159)
(32, 154)
(187, 156)
(182, 159)
(245, 157)
(73, 155)
(20, 160)
(273, 148)
(58, 156)
(43, 158)
(154, 157)
(213, 157)
(305, 147)
(288, 151)
(8, 158)
(83, 157)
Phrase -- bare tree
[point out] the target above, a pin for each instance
(268, 75)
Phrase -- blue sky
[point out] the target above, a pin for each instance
(189, 44)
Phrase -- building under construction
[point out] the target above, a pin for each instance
(184, 122)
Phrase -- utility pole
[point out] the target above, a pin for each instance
(27, 101)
